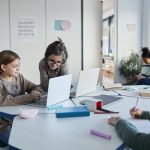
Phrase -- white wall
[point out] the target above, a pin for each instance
(69, 10)
(146, 23)
(4, 25)
(129, 29)
(30, 51)
(44, 13)
(92, 33)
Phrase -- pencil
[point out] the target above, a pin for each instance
(136, 106)
(137, 103)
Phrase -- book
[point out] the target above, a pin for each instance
(144, 92)
(113, 86)
(78, 111)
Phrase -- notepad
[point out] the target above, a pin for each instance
(113, 86)
(78, 111)
(145, 92)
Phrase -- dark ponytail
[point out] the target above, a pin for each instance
(145, 52)
(57, 48)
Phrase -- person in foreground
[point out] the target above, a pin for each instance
(14, 88)
(54, 63)
(129, 134)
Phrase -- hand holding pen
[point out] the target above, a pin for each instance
(135, 113)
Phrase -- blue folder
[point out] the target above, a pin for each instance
(78, 111)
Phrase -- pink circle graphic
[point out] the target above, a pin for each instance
(65, 24)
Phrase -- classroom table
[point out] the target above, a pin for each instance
(45, 131)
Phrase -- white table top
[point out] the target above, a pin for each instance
(131, 91)
(45, 131)
(48, 132)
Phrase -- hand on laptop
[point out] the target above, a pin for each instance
(36, 94)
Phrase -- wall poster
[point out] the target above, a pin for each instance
(27, 28)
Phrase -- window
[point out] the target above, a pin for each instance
(108, 37)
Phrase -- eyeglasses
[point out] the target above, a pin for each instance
(58, 63)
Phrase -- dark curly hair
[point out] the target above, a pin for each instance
(145, 52)
(57, 48)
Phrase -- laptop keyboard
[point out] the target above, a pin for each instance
(40, 103)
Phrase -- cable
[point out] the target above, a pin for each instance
(72, 101)
(118, 93)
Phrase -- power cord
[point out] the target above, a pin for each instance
(72, 101)
(118, 93)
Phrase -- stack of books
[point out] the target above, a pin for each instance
(145, 92)
(113, 86)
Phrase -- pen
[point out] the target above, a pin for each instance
(136, 106)
(98, 112)
(105, 111)
(100, 134)
(137, 102)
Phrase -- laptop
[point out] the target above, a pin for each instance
(58, 90)
(87, 82)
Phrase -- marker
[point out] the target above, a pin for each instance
(55, 107)
(100, 134)
(122, 146)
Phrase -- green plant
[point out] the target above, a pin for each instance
(130, 66)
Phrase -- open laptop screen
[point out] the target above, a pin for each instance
(58, 90)
(87, 82)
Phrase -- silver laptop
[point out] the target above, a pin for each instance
(87, 82)
(58, 90)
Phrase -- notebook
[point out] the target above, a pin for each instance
(113, 86)
(87, 82)
(58, 90)
(145, 92)
(107, 99)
